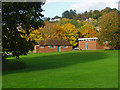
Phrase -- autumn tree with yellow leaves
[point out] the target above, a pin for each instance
(49, 30)
(64, 30)
(35, 34)
(88, 31)
(71, 33)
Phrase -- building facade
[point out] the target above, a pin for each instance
(91, 44)
(52, 45)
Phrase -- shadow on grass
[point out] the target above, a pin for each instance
(8, 65)
(46, 62)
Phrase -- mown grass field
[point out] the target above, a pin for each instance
(74, 69)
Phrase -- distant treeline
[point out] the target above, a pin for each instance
(95, 14)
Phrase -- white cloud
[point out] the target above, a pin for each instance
(52, 1)
(79, 5)
(94, 5)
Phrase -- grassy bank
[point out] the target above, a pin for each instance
(74, 69)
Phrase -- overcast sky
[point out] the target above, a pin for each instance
(57, 7)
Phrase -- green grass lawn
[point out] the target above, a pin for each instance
(74, 69)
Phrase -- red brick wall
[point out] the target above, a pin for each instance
(48, 49)
(91, 45)
(42, 49)
(98, 46)
(82, 45)
(66, 49)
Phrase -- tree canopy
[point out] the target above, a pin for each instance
(88, 31)
(15, 15)
(110, 29)
(69, 14)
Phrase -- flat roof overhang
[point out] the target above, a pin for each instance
(87, 38)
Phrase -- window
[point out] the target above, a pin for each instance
(41, 46)
(52, 46)
(65, 46)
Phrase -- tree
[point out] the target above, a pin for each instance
(88, 31)
(93, 22)
(96, 14)
(49, 30)
(65, 14)
(35, 34)
(106, 10)
(78, 17)
(16, 14)
(77, 23)
(88, 14)
(71, 33)
(53, 31)
(46, 19)
(63, 21)
(59, 33)
(56, 17)
(69, 14)
(110, 29)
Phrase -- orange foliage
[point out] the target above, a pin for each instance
(88, 31)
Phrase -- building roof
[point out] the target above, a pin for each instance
(54, 42)
(87, 38)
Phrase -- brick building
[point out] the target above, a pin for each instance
(91, 44)
(52, 45)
